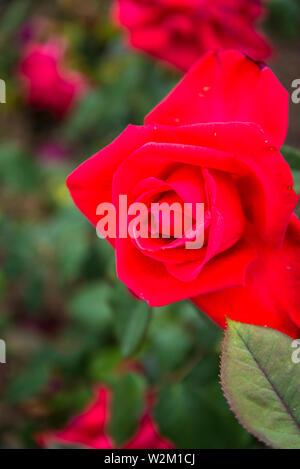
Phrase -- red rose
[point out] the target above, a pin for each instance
(90, 429)
(48, 85)
(214, 140)
(179, 31)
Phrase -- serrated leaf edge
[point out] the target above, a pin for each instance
(227, 393)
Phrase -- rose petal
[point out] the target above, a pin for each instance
(224, 87)
(87, 429)
(263, 175)
(91, 183)
(150, 281)
(226, 227)
(271, 296)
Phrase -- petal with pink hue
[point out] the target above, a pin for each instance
(134, 14)
(48, 84)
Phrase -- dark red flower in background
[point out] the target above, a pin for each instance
(180, 31)
(90, 429)
(48, 84)
(214, 140)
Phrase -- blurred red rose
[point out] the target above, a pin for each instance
(48, 85)
(90, 429)
(179, 31)
(215, 140)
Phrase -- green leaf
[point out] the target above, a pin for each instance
(86, 116)
(208, 334)
(292, 156)
(170, 346)
(67, 403)
(127, 407)
(136, 329)
(123, 303)
(132, 319)
(284, 17)
(17, 170)
(90, 306)
(261, 383)
(27, 385)
(103, 365)
(13, 17)
(197, 417)
(66, 236)
(34, 377)
(2, 284)
(296, 176)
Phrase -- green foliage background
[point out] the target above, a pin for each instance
(68, 322)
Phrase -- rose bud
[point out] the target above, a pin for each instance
(47, 84)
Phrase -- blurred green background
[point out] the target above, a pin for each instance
(67, 321)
